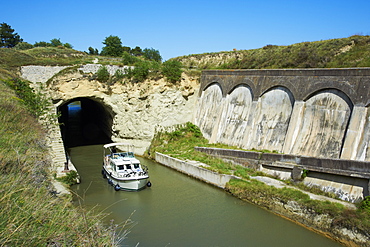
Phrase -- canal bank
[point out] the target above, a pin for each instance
(179, 210)
(290, 209)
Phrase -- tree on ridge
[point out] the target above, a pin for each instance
(8, 38)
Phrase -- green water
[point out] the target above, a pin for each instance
(181, 211)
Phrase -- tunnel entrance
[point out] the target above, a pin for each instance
(84, 121)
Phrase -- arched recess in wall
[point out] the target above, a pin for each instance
(271, 119)
(234, 116)
(85, 121)
(209, 109)
(357, 141)
(323, 124)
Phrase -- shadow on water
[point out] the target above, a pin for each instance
(181, 211)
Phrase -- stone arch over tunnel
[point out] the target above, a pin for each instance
(85, 121)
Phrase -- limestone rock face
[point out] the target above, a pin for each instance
(136, 109)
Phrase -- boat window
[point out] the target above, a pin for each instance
(121, 167)
(124, 155)
(115, 156)
(131, 155)
(128, 166)
(136, 166)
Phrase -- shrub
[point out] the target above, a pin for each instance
(70, 178)
(172, 70)
(143, 70)
(365, 204)
(118, 75)
(23, 46)
(152, 54)
(128, 59)
(34, 101)
(103, 74)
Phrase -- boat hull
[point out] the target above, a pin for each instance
(128, 184)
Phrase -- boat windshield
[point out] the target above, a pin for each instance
(127, 155)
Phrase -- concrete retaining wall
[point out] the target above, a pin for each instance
(348, 179)
(193, 169)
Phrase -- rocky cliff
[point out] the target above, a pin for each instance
(137, 109)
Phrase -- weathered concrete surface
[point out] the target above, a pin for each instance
(347, 179)
(209, 106)
(193, 169)
(321, 126)
(313, 112)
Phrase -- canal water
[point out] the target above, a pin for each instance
(181, 211)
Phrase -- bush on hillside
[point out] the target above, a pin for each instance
(143, 70)
(34, 101)
(102, 74)
(172, 70)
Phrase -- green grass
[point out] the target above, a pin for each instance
(262, 194)
(31, 215)
(353, 51)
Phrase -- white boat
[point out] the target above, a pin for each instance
(122, 169)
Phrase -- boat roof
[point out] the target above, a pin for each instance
(117, 144)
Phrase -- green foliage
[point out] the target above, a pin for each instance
(70, 178)
(172, 70)
(118, 75)
(152, 54)
(304, 173)
(53, 43)
(128, 59)
(179, 141)
(93, 51)
(102, 74)
(23, 46)
(142, 70)
(56, 42)
(365, 204)
(113, 46)
(8, 38)
(11, 58)
(19, 132)
(34, 101)
(68, 45)
(42, 44)
(353, 51)
(136, 51)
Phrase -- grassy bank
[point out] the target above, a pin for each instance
(353, 51)
(180, 143)
(31, 213)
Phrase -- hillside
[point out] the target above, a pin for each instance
(32, 214)
(353, 51)
(12, 59)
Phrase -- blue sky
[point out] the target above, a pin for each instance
(177, 28)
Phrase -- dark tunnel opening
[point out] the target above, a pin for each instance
(84, 121)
